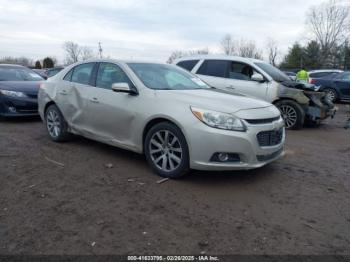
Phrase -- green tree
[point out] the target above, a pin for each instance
(346, 53)
(37, 64)
(48, 62)
(295, 57)
(312, 55)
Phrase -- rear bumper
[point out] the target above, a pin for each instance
(17, 107)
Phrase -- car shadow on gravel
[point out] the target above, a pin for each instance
(210, 177)
(130, 158)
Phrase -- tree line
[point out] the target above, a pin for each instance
(327, 30)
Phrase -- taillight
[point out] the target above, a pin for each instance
(312, 81)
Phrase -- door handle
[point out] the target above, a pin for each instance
(230, 87)
(94, 100)
(63, 92)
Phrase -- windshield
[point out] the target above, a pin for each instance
(274, 72)
(8, 73)
(166, 77)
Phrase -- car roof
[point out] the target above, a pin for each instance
(325, 71)
(12, 65)
(126, 61)
(220, 57)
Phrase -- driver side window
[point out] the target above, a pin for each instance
(240, 71)
(109, 74)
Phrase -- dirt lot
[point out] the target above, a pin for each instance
(297, 205)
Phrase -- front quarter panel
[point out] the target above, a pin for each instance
(292, 93)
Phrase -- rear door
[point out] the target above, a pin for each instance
(111, 114)
(342, 82)
(74, 96)
(214, 73)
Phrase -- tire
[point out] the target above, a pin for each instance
(292, 113)
(166, 150)
(56, 125)
(332, 94)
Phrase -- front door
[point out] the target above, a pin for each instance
(239, 79)
(110, 113)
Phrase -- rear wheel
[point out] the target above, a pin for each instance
(166, 150)
(331, 94)
(56, 125)
(292, 113)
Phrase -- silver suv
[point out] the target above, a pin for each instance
(163, 111)
(297, 102)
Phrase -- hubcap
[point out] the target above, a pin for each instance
(165, 150)
(289, 115)
(53, 123)
(331, 95)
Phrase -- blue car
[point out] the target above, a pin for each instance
(19, 88)
(337, 86)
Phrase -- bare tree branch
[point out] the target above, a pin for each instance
(329, 24)
(272, 50)
(227, 45)
(73, 52)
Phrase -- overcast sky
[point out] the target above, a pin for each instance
(145, 29)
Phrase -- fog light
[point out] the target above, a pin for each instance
(223, 157)
(12, 109)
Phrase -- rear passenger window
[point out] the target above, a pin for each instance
(109, 74)
(216, 68)
(68, 76)
(188, 65)
(82, 73)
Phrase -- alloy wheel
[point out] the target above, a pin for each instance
(165, 150)
(289, 115)
(53, 123)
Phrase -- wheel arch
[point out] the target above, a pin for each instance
(47, 106)
(154, 121)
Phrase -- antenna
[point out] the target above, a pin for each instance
(100, 49)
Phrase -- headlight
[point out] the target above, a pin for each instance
(12, 93)
(218, 119)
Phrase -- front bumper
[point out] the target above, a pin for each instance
(319, 107)
(16, 107)
(206, 141)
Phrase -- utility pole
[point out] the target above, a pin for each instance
(100, 49)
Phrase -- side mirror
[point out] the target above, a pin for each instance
(258, 78)
(123, 88)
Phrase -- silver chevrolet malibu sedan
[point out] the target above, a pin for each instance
(163, 111)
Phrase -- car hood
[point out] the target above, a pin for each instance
(27, 87)
(218, 100)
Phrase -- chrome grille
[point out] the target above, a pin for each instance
(270, 138)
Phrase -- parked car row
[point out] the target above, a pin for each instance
(204, 112)
(19, 87)
(49, 72)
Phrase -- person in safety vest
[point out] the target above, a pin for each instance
(303, 75)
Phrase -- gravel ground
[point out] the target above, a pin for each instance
(63, 199)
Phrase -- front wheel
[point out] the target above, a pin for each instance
(166, 150)
(292, 113)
